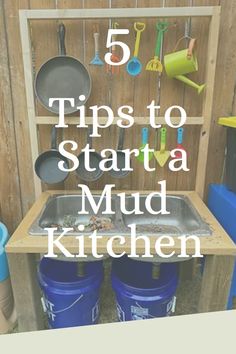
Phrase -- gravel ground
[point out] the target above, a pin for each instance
(187, 296)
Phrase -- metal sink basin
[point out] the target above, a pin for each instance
(182, 220)
(62, 211)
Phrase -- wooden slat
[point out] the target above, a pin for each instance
(120, 13)
(28, 73)
(208, 101)
(216, 283)
(225, 93)
(41, 120)
(10, 198)
(19, 100)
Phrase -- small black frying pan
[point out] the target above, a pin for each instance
(46, 165)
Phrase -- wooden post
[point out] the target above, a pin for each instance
(208, 101)
(26, 293)
(216, 282)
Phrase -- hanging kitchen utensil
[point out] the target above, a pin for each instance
(46, 165)
(120, 158)
(155, 63)
(96, 60)
(113, 69)
(62, 77)
(182, 62)
(163, 155)
(134, 66)
(180, 133)
(140, 157)
(95, 159)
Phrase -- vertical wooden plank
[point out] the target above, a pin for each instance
(100, 94)
(224, 96)
(26, 292)
(216, 282)
(11, 10)
(26, 45)
(44, 41)
(122, 93)
(208, 101)
(10, 198)
(172, 90)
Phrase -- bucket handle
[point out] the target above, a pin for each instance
(191, 46)
(68, 307)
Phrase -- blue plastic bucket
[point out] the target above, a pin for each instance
(4, 270)
(222, 204)
(138, 295)
(69, 299)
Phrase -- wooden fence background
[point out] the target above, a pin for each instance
(16, 182)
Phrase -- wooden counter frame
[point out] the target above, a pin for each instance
(219, 253)
(219, 249)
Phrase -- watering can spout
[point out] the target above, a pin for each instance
(191, 83)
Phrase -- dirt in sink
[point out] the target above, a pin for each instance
(99, 223)
(156, 229)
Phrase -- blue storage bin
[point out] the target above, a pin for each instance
(4, 270)
(222, 203)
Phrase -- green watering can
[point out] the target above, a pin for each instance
(180, 63)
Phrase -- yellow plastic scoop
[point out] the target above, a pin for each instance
(162, 156)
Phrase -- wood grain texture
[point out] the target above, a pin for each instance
(124, 89)
(216, 283)
(10, 194)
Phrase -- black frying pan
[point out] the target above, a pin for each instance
(46, 165)
(62, 77)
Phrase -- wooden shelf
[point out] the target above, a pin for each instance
(44, 120)
(199, 11)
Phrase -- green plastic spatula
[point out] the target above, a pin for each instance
(162, 156)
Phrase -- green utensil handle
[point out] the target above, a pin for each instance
(161, 27)
(163, 139)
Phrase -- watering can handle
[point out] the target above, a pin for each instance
(163, 139)
(192, 43)
(180, 136)
(144, 136)
(191, 47)
(139, 28)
